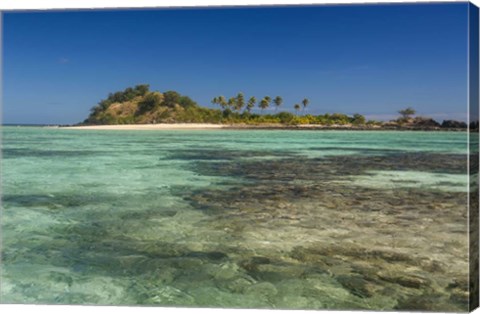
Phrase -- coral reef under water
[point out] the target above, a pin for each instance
(376, 229)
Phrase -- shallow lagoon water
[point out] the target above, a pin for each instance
(224, 218)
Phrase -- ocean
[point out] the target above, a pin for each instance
(278, 219)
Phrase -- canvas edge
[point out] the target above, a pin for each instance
(473, 115)
(473, 110)
(1, 150)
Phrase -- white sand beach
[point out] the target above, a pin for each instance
(237, 126)
(160, 126)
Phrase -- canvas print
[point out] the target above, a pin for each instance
(260, 157)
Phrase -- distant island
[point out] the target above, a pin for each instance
(140, 106)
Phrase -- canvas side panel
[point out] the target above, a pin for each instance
(473, 162)
(1, 151)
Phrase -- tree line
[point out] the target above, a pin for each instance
(140, 105)
(237, 103)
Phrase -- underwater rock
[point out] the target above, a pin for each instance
(276, 273)
(356, 285)
(265, 289)
(227, 271)
(239, 285)
(214, 256)
(188, 263)
(61, 277)
(425, 302)
(406, 280)
(461, 298)
(291, 286)
(251, 265)
(169, 295)
(459, 291)
(165, 275)
(296, 302)
(331, 168)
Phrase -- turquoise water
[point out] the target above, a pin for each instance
(225, 218)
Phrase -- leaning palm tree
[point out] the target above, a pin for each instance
(222, 101)
(269, 100)
(278, 102)
(215, 100)
(231, 102)
(305, 103)
(251, 103)
(239, 102)
(297, 108)
(264, 103)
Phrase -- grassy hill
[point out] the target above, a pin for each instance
(139, 105)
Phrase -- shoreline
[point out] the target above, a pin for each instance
(212, 126)
(159, 126)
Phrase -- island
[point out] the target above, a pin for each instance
(140, 108)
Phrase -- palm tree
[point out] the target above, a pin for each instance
(240, 102)
(215, 100)
(251, 103)
(222, 101)
(305, 103)
(264, 103)
(278, 102)
(231, 102)
(297, 108)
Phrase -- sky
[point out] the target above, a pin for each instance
(368, 59)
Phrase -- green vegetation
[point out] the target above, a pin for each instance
(150, 102)
(264, 103)
(251, 104)
(297, 108)
(278, 101)
(139, 105)
(406, 113)
(305, 103)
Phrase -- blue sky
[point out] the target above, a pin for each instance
(371, 59)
